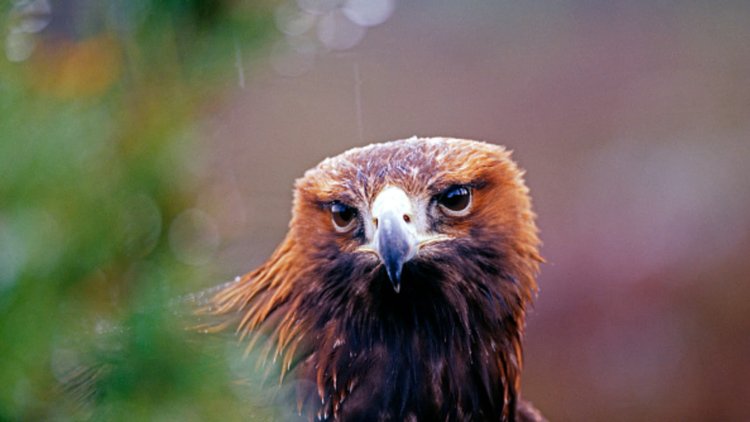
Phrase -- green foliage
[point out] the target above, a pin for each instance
(97, 156)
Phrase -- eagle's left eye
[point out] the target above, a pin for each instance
(344, 217)
(455, 200)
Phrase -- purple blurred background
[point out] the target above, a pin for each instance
(633, 122)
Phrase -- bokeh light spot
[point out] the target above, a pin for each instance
(318, 7)
(18, 46)
(194, 237)
(368, 12)
(337, 32)
(292, 21)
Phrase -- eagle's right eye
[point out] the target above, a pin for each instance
(344, 217)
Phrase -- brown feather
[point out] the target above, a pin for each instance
(448, 346)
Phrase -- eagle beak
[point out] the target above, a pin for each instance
(394, 246)
(395, 238)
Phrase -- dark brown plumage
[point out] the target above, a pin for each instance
(401, 288)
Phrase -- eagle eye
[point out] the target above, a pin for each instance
(455, 200)
(343, 216)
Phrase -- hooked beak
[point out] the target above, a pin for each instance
(394, 245)
(395, 238)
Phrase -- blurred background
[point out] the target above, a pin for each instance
(148, 150)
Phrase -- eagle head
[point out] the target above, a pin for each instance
(401, 287)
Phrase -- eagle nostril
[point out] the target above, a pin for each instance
(407, 219)
(375, 222)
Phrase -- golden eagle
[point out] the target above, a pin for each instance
(401, 288)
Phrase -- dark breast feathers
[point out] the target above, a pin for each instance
(400, 291)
